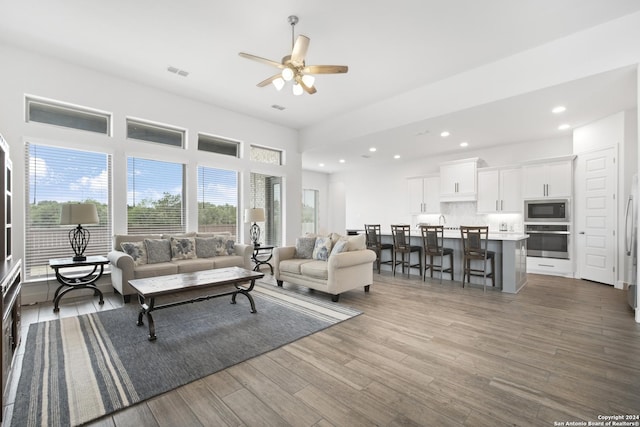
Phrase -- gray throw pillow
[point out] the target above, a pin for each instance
(340, 246)
(304, 247)
(158, 250)
(135, 250)
(322, 248)
(205, 247)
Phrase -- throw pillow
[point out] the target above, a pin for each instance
(356, 243)
(205, 247)
(183, 248)
(340, 246)
(322, 248)
(158, 250)
(304, 247)
(136, 250)
(224, 246)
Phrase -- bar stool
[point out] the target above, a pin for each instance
(375, 244)
(402, 245)
(474, 248)
(432, 241)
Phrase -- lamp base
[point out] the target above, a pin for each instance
(80, 258)
(254, 232)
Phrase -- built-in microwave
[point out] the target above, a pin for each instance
(546, 210)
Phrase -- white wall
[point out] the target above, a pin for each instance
(27, 73)
(377, 194)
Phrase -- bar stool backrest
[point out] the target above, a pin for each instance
(432, 239)
(373, 236)
(401, 236)
(474, 240)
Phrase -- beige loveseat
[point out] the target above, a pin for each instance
(335, 264)
(150, 255)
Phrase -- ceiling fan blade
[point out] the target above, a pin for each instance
(325, 69)
(260, 59)
(299, 51)
(266, 82)
(309, 89)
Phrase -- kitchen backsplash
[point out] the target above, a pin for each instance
(464, 213)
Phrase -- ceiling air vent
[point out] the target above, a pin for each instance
(177, 71)
(278, 107)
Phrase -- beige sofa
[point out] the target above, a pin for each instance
(333, 272)
(216, 250)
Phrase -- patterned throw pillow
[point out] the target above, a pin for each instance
(322, 248)
(205, 247)
(224, 246)
(136, 250)
(158, 250)
(304, 247)
(340, 246)
(183, 248)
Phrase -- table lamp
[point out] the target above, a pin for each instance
(79, 213)
(254, 215)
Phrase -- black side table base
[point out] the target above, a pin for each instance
(68, 284)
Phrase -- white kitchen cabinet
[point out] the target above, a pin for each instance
(499, 190)
(423, 194)
(548, 180)
(458, 180)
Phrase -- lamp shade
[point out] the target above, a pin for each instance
(79, 213)
(254, 215)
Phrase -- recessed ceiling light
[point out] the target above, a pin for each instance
(445, 134)
(397, 156)
(464, 144)
(559, 109)
(564, 126)
(373, 149)
(321, 165)
(342, 160)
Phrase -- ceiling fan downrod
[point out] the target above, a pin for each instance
(293, 20)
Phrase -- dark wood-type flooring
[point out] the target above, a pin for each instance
(431, 354)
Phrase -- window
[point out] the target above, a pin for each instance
(265, 155)
(217, 200)
(309, 211)
(266, 192)
(214, 144)
(154, 197)
(160, 134)
(55, 176)
(58, 114)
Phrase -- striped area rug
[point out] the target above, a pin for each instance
(81, 368)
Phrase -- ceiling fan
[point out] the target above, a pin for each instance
(293, 66)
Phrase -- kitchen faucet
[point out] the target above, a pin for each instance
(442, 220)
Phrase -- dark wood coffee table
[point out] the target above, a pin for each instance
(221, 281)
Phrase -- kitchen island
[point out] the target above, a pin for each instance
(511, 257)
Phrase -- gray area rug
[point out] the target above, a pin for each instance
(81, 368)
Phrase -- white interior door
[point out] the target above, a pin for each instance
(595, 220)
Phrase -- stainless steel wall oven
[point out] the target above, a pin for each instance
(548, 240)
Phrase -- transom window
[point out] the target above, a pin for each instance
(265, 155)
(69, 116)
(151, 132)
(218, 145)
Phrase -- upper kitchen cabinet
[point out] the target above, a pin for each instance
(499, 190)
(548, 179)
(423, 194)
(458, 180)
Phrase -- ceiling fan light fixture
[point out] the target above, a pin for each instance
(297, 89)
(287, 74)
(278, 83)
(308, 80)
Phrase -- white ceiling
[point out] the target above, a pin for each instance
(390, 48)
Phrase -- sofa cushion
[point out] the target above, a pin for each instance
(183, 248)
(205, 247)
(322, 248)
(191, 265)
(153, 270)
(136, 250)
(315, 269)
(304, 247)
(293, 266)
(158, 250)
(228, 261)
